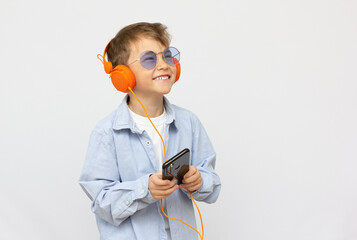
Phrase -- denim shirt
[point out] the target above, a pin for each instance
(119, 161)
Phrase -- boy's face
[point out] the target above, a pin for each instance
(151, 82)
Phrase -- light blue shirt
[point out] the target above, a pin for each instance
(119, 161)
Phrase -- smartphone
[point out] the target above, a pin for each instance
(177, 166)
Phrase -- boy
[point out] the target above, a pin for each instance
(122, 170)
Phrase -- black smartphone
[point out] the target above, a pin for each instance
(177, 166)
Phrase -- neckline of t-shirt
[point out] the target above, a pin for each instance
(144, 121)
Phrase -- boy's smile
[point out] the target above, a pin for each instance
(151, 82)
(162, 77)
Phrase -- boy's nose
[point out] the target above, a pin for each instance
(161, 64)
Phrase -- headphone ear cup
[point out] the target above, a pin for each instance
(178, 71)
(122, 78)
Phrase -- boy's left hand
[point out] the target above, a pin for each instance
(192, 180)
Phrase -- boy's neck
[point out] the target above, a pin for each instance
(153, 105)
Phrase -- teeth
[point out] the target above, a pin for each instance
(161, 78)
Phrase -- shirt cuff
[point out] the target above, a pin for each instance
(144, 192)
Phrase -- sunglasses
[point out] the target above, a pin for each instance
(148, 59)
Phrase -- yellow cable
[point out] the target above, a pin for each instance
(163, 144)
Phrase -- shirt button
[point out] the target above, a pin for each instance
(147, 143)
(127, 202)
(142, 191)
(133, 132)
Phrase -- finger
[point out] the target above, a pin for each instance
(187, 184)
(165, 193)
(157, 180)
(192, 178)
(192, 170)
(162, 187)
(170, 191)
(192, 187)
(171, 184)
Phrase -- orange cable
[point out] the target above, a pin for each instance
(163, 144)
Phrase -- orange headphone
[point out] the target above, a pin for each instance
(122, 77)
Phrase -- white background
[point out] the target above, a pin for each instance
(274, 83)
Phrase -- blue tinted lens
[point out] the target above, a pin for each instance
(148, 60)
(171, 55)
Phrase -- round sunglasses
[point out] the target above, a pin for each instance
(148, 59)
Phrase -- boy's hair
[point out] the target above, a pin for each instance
(119, 47)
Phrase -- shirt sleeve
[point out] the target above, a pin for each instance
(203, 157)
(112, 199)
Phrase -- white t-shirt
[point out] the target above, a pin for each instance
(143, 123)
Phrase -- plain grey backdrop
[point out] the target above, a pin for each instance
(274, 83)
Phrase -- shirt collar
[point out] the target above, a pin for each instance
(123, 120)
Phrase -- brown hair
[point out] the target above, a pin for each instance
(119, 48)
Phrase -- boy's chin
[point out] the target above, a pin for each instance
(164, 90)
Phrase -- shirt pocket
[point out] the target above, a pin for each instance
(132, 157)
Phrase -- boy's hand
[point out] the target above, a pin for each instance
(192, 180)
(159, 188)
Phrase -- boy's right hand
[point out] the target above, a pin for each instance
(159, 188)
